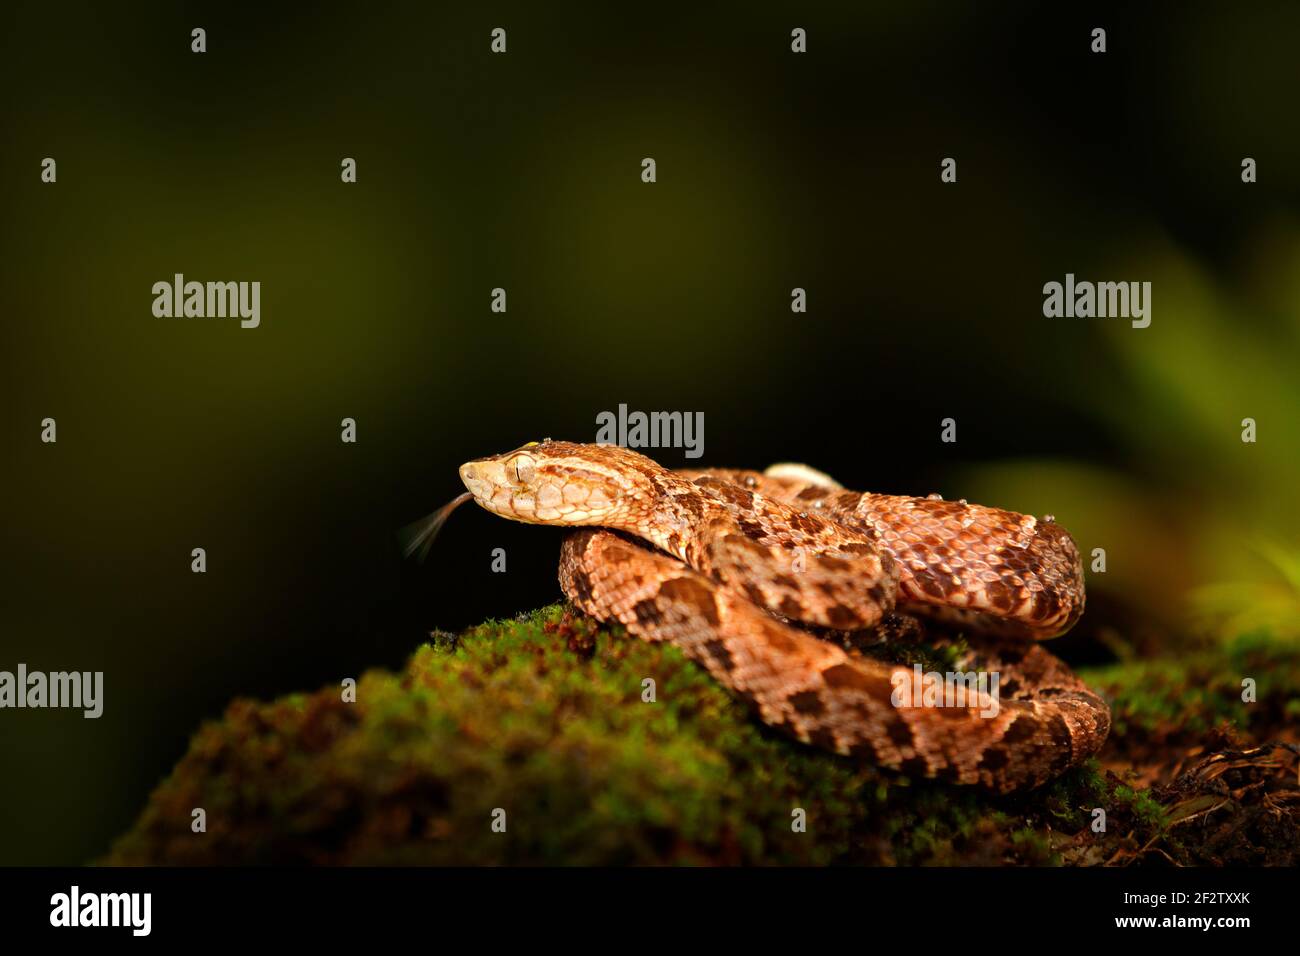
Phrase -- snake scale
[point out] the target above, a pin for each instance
(754, 574)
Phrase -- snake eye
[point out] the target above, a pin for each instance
(522, 468)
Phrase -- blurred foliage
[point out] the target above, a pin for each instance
(1269, 603)
(1197, 524)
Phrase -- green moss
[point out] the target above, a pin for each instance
(1186, 695)
(940, 657)
(1141, 805)
(543, 717)
(1034, 847)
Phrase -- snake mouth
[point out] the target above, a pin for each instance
(531, 494)
(486, 480)
(475, 482)
(495, 490)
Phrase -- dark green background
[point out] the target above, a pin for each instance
(523, 171)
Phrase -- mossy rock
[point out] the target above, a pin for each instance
(543, 718)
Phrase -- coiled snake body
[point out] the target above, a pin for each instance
(745, 566)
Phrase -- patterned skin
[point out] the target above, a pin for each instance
(746, 563)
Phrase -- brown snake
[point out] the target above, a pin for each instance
(745, 567)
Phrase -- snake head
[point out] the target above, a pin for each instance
(560, 483)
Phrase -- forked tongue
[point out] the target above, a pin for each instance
(418, 536)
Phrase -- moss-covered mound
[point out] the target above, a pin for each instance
(540, 724)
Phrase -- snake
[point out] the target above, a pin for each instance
(771, 579)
